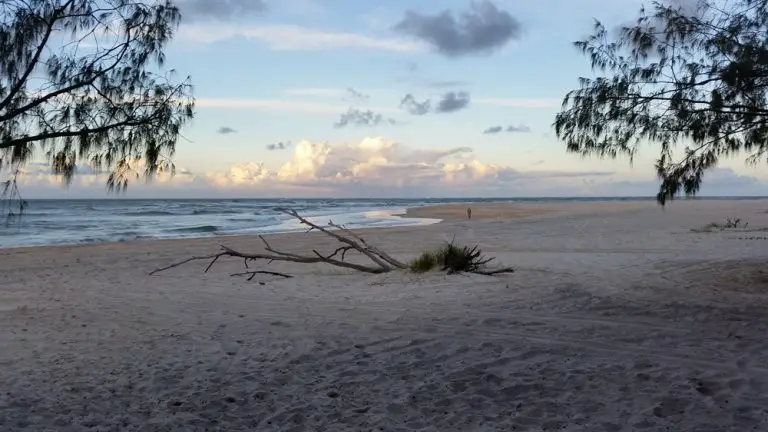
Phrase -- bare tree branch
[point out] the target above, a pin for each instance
(386, 257)
(382, 261)
(360, 247)
(252, 274)
(494, 272)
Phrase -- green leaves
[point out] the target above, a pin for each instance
(699, 77)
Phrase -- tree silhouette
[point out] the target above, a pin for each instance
(697, 76)
(82, 82)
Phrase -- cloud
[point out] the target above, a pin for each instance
(521, 102)
(377, 166)
(282, 145)
(220, 10)
(493, 130)
(449, 102)
(347, 94)
(294, 38)
(452, 102)
(226, 130)
(38, 175)
(269, 105)
(358, 117)
(357, 96)
(482, 29)
(521, 128)
(306, 107)
(511, 128)
(414, 107)
(316, 92)
(442, 84)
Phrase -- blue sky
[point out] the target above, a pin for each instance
(273, 82)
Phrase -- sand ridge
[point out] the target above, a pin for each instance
(615, 320)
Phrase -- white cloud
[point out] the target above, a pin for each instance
(377, 165)
(270, 105)
(242, 173)
(39, 175)
(317, 92)
(296, 106)
(373, 167)
(520, 102)
(337, 92)
(315, 107)
(294, 38)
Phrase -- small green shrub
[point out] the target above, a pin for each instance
(451, 258)
(425, 262)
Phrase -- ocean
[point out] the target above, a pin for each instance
(56, 222)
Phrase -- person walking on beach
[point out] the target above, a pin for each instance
(469, 213)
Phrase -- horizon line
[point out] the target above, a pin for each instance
(592, 197)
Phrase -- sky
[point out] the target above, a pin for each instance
(387, 98)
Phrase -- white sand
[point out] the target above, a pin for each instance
(624, 321)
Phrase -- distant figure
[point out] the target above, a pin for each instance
(469, 213)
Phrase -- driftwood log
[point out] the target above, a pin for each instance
(381, 262)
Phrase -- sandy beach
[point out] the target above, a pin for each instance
(502, 212)
(618, 318)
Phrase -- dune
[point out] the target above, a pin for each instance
(618, 318)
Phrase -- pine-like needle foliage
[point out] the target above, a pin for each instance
(82, 83)
(697, 76)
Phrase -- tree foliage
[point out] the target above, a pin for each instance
(82, 83)
(697, 76)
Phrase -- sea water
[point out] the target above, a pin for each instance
(50, 222)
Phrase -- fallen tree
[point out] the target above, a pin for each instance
(460, 260)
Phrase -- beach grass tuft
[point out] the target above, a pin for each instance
(450, 257)
(423, 263)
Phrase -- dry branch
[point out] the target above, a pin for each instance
(494, 272)
(382, 262)
(252, 274)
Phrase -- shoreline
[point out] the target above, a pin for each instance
(212, 239)
(426, 216)
(423, 217)
(391, 213)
